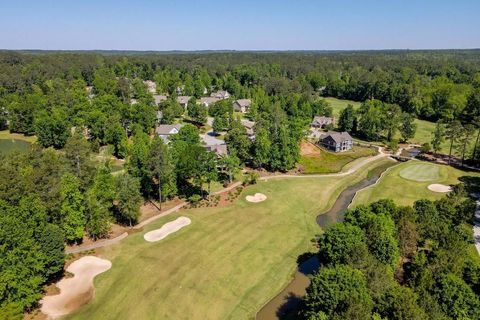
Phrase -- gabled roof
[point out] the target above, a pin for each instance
(183, 99)
(338, 137)
(220, 149)
(247, 123)
(322, 120)
(220, 94)
(208, 100)
(166, 129)
(243, 102)
(159, 98)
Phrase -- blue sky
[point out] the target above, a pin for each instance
(239, 25)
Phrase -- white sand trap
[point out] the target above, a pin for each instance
(75, 291)
(258, 197)
(439, 188)
(166, 229)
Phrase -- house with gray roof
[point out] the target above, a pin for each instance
(242, 105)
(222, 94)
(183, 100)
(219, 149)
(336, 141)
(249, 127)
(165, 131)
(158, 98)
(208, 101)
(322, 122)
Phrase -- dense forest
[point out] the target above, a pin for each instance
(81, 104)
(390, 262)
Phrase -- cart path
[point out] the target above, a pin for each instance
(108, 242)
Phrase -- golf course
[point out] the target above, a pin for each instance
(407, 182)
(227, 263)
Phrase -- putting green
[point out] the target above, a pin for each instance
(420, 172)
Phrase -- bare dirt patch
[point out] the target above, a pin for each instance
(258, 197)
(77, 290)
(436, 187)
(167, 229)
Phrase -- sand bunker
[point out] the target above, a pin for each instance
(166, 229)
(75, 291)
(258, 197)
(439, 188)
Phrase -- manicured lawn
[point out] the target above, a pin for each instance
(322, 161)
(338, 105)
(5, 134)
(424, 128)
(405, 192)
(421, 172)
(226, 264)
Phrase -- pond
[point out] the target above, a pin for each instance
(11, 145)
(285, 304)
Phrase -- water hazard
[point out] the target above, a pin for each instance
(284, 305)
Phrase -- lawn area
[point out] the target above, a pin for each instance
(226, 264)
(318, 160)
(339, 104)
(398, 183)
(424, 128)
(5, 134)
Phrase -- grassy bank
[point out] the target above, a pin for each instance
(226, 264)
(318, 160)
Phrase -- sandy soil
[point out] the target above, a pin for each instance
(258, 197)
(75, 291)
(439, 188)
(166, 229)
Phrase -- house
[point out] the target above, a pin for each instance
(322, 122)
(336, 141)
(158, 98)
(242, 105)
(151, 86)
(165, 131)
(249, 126)
(133, 101)
(219, 149)
(207, 101)
(183, 100)
(220, 94)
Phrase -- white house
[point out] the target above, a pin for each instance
(242, 105)
(165, 131)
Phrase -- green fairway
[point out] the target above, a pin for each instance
(339, 104)
(226, 264)
(405, 192)
(421, 172)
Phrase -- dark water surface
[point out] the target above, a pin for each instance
(286, 302)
